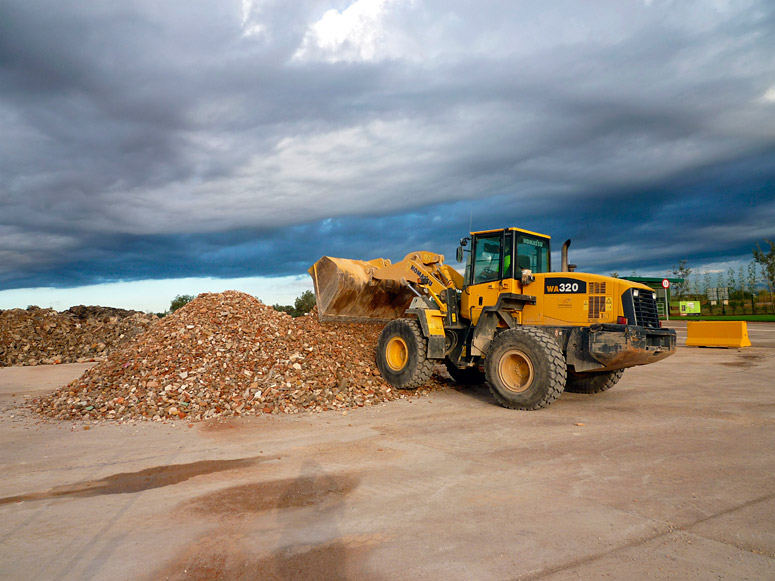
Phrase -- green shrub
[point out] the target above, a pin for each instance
(180, 301)
(303, 305)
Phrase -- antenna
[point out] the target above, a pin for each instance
(471, 221)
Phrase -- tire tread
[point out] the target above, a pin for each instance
(424, 367)
(593, 382)
(555, 381)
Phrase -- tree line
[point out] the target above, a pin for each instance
(747, 285)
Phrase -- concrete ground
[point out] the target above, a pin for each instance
(668, 475)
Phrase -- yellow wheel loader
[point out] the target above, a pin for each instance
(509, 319)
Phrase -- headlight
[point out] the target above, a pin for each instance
(654, 296)
(636, 293)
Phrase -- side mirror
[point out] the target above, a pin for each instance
(459, 254)
(464, 241)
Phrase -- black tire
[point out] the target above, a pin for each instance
(592, 382)
(466, 376)
(525, 369)
(402, 355)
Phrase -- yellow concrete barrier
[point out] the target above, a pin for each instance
(717, 334)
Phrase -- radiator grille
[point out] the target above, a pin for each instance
(597, 288)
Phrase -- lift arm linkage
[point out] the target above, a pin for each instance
(423, 269)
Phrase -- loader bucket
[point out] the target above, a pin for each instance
(346, 293)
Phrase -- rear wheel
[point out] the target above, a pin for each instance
(401, 354)
(525, 369)
(465, 376)
(592, 382)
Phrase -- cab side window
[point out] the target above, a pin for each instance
(507, 270)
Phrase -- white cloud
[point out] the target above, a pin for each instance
(357, 33)
(250, 23)
(768, 96)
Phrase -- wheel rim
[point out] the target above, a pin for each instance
(396, 353)
(516, 371)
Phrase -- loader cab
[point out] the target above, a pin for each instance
(495, 266)
(498, 255)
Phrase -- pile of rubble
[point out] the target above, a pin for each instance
(36, 336)
(228, 354)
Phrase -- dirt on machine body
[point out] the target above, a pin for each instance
(530, 332)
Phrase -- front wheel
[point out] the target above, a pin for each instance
(402, 354)
(592, 382)
(525, 369)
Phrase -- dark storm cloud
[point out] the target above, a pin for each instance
(147, 140)
(710, 215)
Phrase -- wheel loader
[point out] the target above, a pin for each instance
(529, 332)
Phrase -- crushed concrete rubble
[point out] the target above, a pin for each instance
(228, 354)
(36, 336)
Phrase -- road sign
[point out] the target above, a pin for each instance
(665, 283)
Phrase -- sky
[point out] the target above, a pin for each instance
(159, 148)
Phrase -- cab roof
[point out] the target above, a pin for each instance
(513, 229)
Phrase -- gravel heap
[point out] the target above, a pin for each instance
(36, 336)
(228, 354)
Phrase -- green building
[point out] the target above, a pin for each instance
(655, 282)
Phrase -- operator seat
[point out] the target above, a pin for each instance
(523, 262)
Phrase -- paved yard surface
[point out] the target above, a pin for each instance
(668, 475)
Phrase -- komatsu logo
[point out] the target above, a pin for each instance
(562, 285)
(416, 270)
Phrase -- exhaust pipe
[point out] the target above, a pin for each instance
(564, 259)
